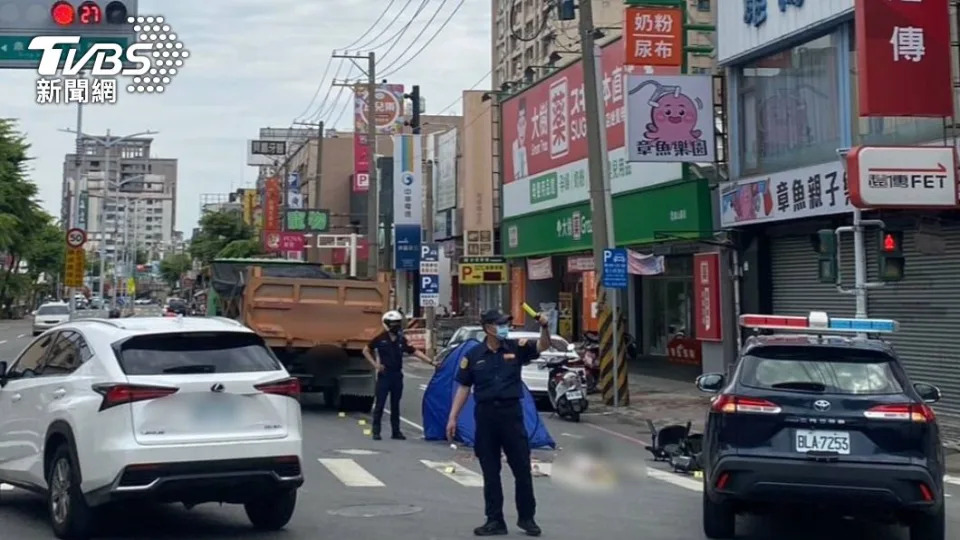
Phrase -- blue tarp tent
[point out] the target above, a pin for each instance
(438, 399)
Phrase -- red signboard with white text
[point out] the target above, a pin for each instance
(706, 297)
(361, 163)
(545, 127)
(272, 200)
(903, 58)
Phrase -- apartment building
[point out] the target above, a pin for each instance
(128, 203)
(529, 42)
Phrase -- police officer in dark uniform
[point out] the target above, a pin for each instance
(390, 346)
(494, 370)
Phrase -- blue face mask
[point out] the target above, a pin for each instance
(503, 332)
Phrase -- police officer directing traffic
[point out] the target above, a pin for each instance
(494, 370)
(390, 346)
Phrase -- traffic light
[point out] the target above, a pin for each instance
(415, 103)
(827, 256)
(891, 262)
(91, 13)
(566, 10)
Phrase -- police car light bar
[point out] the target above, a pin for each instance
(819, 321)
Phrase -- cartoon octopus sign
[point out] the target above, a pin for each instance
(670, 118)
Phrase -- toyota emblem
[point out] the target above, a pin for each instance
(821, 405)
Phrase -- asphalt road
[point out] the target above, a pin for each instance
(417, 490)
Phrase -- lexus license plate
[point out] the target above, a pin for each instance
(214, 412)
(837, 442)
(576, 394)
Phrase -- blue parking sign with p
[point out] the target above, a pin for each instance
(615, 268)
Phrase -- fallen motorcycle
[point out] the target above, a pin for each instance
(676, 445)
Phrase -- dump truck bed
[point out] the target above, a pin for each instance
(303, 313)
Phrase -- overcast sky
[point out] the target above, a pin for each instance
(255, 64)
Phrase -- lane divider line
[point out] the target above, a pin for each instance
(6, 487)
(386, 412)
(350, 473)
(675, 479)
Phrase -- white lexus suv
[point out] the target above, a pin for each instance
(188, 410)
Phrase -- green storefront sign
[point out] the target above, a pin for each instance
(680, 210)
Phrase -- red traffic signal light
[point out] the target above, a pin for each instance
(889, 243)
(62, 13)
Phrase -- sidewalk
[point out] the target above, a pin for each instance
(664, 400)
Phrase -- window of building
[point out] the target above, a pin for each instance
(882, 130)
(790, 108)
(703, 5)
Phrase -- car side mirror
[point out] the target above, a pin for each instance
(710, 382)
(928, 392)
(571, 347)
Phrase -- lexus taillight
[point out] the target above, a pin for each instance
(286, 387)
(910, 412)
(726, 403)
(118, 394)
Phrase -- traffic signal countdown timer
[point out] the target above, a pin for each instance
(88, 13)
(891, 262)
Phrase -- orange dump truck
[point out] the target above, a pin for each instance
(316, 322)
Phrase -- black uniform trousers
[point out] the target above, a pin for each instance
(500, 427)
(388, 383)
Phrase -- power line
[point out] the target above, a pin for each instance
(316, 92)
(403, 30)
(459, 99)
(323, 104)
(366, 46)
(414, 41)
(429, 41)
(372, 26)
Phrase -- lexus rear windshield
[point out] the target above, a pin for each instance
(831, 370)
(53, 310)
(195, 352)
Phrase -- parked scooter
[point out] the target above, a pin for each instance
(590, 355)
(565, 389)
(676, 445)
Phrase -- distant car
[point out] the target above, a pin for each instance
(534, 377)
(821, 421)
(176, 306)
(159, 410)
(49, 315)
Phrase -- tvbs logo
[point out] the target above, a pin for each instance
(107, 59)
(150, 63)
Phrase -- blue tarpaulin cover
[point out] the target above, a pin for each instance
(438, 399)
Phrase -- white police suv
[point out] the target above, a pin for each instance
(188, 410)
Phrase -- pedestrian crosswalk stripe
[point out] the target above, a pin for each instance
(455, 472)
(350, 473)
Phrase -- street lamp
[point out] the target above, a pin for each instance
(108, 142)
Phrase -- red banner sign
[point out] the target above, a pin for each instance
(903, 58)
(275, 241)
(706, 294)
(684, 350)
(271, 204)
(654, 36)
(361, 163)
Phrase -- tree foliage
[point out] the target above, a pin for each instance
(28, 234)
(173, 266)
(224, 234)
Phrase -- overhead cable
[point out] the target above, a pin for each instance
(396, 38)
(414, 41)
(427, 44)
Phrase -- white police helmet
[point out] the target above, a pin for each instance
(392, 320)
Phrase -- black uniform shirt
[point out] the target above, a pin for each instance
(496, 375)
(391, 351)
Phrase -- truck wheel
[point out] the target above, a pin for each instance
(363, 404)
(331, 398)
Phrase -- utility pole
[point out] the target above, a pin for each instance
(75, 199)
(373, 193)
(318, 177)
(598, 167)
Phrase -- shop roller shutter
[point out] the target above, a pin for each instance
(926, 303)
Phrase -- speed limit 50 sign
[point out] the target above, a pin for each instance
(76, 238)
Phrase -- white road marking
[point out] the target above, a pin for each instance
(423, 387)
(21, 336)
(412, 376)
(675, 479)
(952, 480)
(350, 473)
(571, 435)
(358, 452)
(405, 421)
(6, 487)
(456, 472)
(2, 341)
(618, 434)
